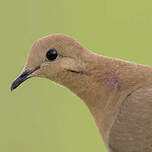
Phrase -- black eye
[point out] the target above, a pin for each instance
(51, 54)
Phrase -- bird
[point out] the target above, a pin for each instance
(118, 93)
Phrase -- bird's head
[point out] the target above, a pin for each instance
(57, 57)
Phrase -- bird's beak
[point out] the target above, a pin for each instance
(22, 77)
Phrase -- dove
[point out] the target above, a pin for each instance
(117, 93)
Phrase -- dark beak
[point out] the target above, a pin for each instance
(21, 78)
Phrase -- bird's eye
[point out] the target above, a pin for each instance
(51, 54)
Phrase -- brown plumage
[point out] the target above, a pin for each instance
(118, 93)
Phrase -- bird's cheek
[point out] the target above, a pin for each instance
(69, 64)
(45, 71)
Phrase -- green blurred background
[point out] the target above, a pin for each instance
(41, 116)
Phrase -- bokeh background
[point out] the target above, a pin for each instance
(41, 116)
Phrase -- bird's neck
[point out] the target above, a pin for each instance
(100, 90)
(104, 89)
(103, 102)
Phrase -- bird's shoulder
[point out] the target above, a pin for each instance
(132, 128)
